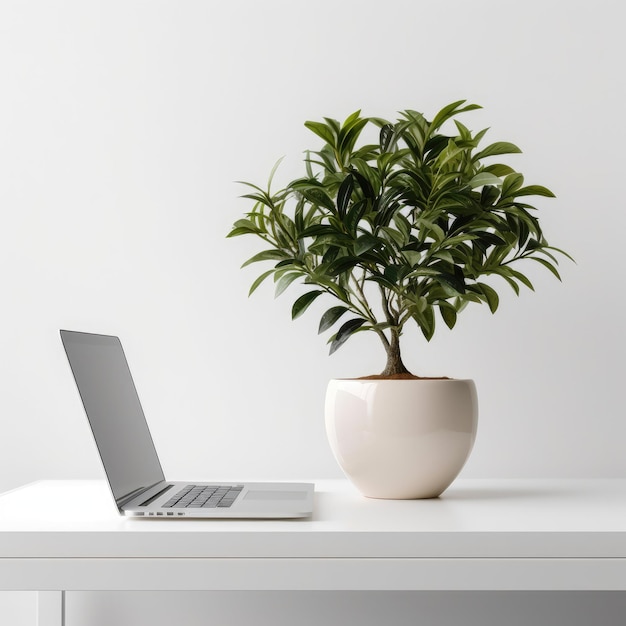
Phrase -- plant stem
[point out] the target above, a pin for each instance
(362, 299)
(394, 358)
(392, 345)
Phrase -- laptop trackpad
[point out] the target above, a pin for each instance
(259, 494)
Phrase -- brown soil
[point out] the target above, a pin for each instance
(404, 376)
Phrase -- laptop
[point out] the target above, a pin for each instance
(130, 459)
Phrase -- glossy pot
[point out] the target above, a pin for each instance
(401, 439)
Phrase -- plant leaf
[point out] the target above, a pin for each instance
(547, 264)
(535, 190)
(511, 184)
(323, 131)
(448, 313)
(385, 137)
(365, 243)
(344, 194)
(273, 173)
(258, 281)
(490, 295)
(303, 303)
(500, 147)
(330, 317)
(342, 264)
(499, 169)
(350, 133)
(345, 332)
(426, 322)
(484, 178)
(318, 196)
(449, 111)
(267, 255)
(521, 278)
(243, 226)
(284, 281)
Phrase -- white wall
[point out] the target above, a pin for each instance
(123, 126)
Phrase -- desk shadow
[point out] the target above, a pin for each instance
(501, 493)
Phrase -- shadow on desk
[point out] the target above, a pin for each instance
(512, 492)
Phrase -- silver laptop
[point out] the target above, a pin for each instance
(130, 459)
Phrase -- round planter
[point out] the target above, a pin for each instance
(401, 439)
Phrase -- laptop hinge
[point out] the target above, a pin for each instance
(133, 494)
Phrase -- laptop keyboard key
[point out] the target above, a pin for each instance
(209, 496)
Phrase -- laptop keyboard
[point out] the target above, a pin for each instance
(204, 497)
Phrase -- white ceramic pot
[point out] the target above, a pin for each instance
(401, 438)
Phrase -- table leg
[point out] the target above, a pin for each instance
(51, 608)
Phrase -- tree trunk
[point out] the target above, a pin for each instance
(394, 359)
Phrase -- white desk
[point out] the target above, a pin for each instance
(480, 535)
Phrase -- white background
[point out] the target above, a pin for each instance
(123, 128)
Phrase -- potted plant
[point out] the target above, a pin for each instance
(403, 229)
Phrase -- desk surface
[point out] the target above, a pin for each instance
(479, 529)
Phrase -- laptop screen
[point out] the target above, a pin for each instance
(114, 412)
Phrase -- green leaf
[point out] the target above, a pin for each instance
(365, 243)
(344, 333)
(448, 313)
(341, 265)
(488, 196)
(445, 255)
(413, 258)
(522, 279)
(318, 229)
(560, 252)
(500, 147)
(303, 303)
(393, 274)
(273, 173)
(318, 197)
(393, 235)
(337, 290)
(451, 153)
(426, 322)
(386, 137)
(535, 190)
(418, 304)
(484, 178)
(258, 281)
(490, 295)
(247, 224)
(354, 215)
(404, 226)
(429, 229)
(381, 280)
(333, 125)
(547, 264)
(352, 119)
(284, 281)
(423, 271)
(267, 255)
(449, 111)
(350, 133)
(235, 232)
(323, 131)
(490, 239)
(364, 184)
(499, 169)
(344, 194)
(330, 317)
(509, 280)
(451, 278)
(511, 184)
(434, 146)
